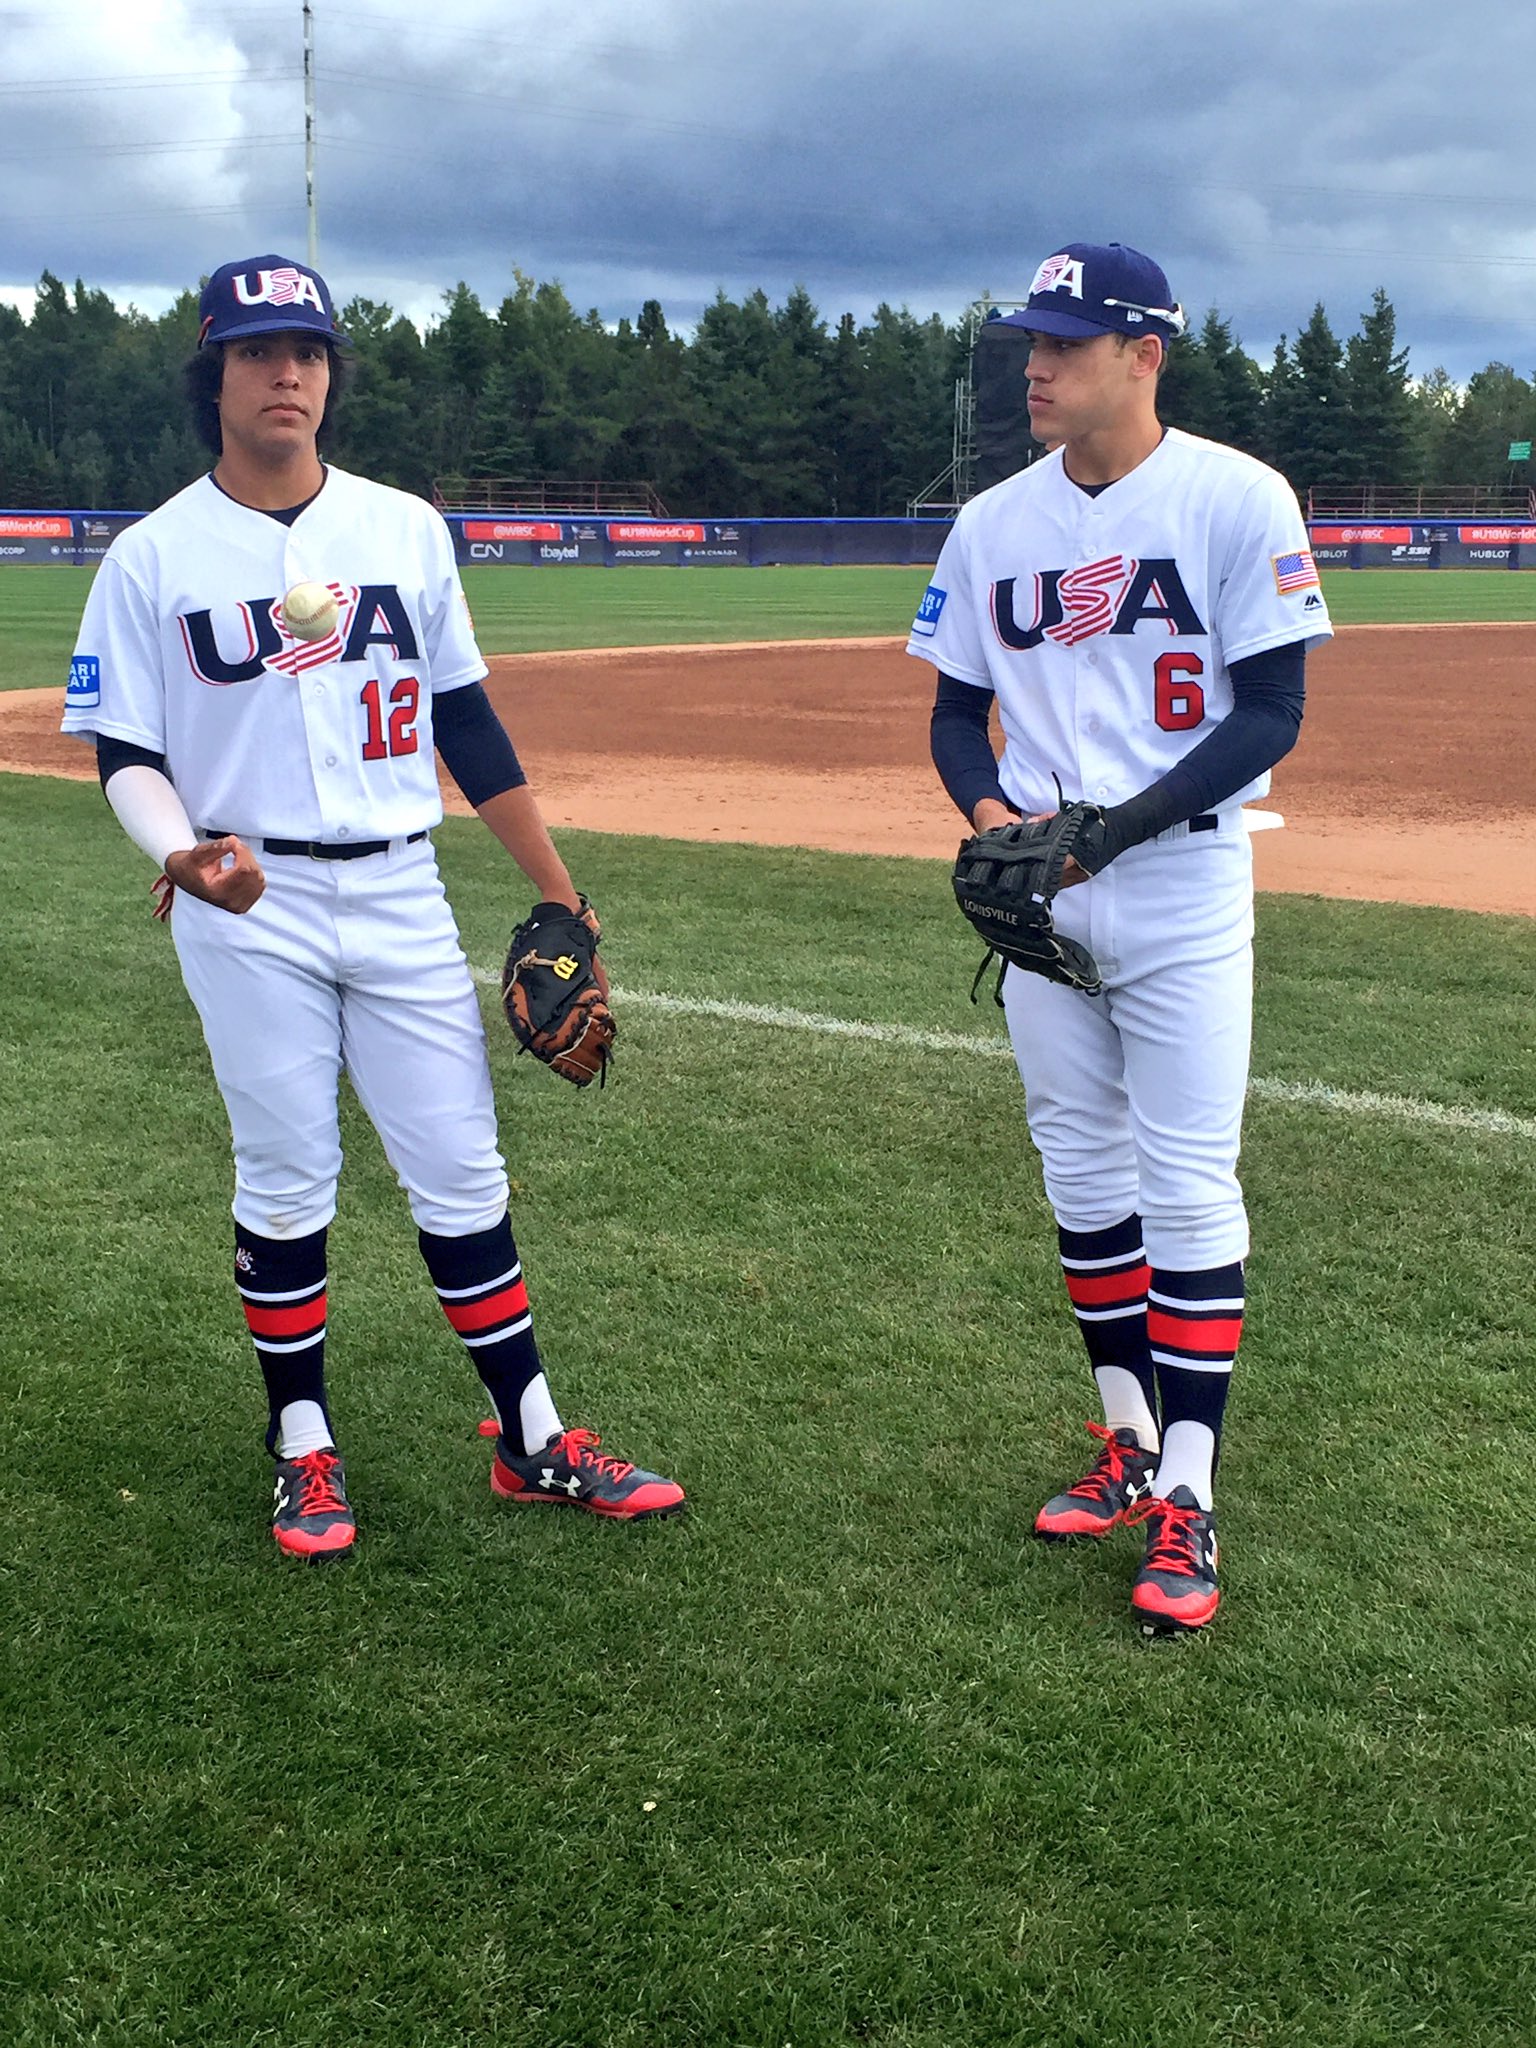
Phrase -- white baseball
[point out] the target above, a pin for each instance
(309, 611)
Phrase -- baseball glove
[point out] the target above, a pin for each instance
(550, 990)
(1004, 881)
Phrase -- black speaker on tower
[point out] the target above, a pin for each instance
(1003, 441)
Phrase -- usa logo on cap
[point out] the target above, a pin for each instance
(266, 295)
(1059, 274)
(283, 287)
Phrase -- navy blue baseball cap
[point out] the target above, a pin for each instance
(1090, 288)
(266, 295)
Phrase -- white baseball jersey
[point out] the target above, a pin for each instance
(182, 650)
(1107, 624)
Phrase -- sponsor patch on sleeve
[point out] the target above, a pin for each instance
(1295, 571)
(84, 690)
(926, 624)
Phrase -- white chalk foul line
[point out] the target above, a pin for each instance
(1402, 1109)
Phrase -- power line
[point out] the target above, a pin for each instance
(518, 46)
(531, 102)
(157, 82)
(218, 142)
(280, 208)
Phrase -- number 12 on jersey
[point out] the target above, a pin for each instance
(399, 736)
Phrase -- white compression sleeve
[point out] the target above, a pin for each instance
(150, 811)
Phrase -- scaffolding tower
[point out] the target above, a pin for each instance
(955, 483)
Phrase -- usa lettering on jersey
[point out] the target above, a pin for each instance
(252, 640)
(1114, 595)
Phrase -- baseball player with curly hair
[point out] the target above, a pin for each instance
(1138, 604)
(277, 763)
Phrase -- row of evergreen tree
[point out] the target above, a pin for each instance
(763, 409)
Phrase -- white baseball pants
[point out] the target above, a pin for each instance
(1135, 1096)
(351, 966)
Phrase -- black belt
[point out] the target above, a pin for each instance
(1208, 823)
(319, 849)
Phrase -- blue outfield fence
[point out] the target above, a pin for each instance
(482, 537)
(68, 537)
(77, 537)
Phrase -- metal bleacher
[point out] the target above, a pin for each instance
(551, 496)
(1374, 502)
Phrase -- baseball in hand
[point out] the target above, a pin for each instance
(309, 611)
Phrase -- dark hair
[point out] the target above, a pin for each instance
(1125, 341)
(202, 379)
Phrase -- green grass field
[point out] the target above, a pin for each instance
(842, 1757)
(520, 611)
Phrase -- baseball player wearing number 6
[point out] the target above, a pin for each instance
(287, 786)
(1140, 604)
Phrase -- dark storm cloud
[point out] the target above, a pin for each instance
(914, 151)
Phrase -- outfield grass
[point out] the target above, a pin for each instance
(522, 611)
(842, 1757)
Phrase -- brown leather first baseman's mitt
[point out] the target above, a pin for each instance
(1005, 879)
(552, 996)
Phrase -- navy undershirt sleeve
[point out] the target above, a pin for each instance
(114, 754)
(961, 744)
(1268, 693)
(474, 745)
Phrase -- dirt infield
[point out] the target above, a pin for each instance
(1414, 782)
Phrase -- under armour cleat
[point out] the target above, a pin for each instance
(1102, 1499)
(572, 1469)
(1175, 1590)
(310, 1515)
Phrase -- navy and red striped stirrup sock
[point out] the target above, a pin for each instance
(479, 1281)
(1106, 1275)
(1195, 1323)
(282, 1290)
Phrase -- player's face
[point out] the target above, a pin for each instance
(272, 398)
(1078, 386)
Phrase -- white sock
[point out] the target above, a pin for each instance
(1125, 1405)
(301, 1428)
(1189, 1459)
(536, 1416)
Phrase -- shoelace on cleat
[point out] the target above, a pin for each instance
(1175, 1544)
(318, 1492)
(580, 1446)
(1108, 1468)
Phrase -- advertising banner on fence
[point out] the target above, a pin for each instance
(70, 537)
(1426, 544)
(698, 543)
(542, 542)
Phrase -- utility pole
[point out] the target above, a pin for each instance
(309, 134)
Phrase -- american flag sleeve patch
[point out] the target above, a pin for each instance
(1295, 571)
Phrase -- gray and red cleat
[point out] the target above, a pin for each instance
(1102, 1499)
(571, 1468)
(1175, 1590)
(310, 1515)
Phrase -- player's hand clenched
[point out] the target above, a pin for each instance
(223, 872)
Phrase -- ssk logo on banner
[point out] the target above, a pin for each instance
(286, 287)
